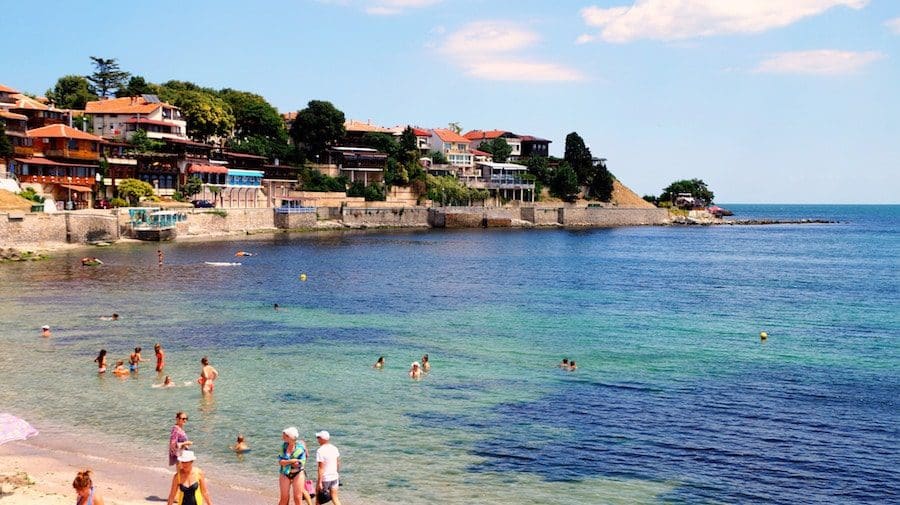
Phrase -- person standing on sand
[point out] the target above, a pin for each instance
(328, 459)
(84, 489)
(208, 376)
(292, 475)
(178, 439)
(160, 357)
(188, 483)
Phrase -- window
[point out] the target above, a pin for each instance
(73, 144)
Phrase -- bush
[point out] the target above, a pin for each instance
(118, 202)
(29, 194)
(152, 198)
(177, 196)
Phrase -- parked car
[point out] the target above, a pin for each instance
(204, 204)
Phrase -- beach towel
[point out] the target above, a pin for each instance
(14, 428)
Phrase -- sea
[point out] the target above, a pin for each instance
(676, 398)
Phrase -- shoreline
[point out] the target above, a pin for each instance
(40, 470)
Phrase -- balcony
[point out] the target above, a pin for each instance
(23, 150)
(74, 154)
(57, 179)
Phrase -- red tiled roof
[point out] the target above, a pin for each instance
(531, 138)
(449, 135)
(7, 89)
(26, 102)
(127, 105)
(419, 132)
(476, 152)
(61, 130)
(44, 161)
(482, 135)
(209, 169)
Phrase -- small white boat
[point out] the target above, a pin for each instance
(222, 263)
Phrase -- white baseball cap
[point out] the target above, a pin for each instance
(324, 435)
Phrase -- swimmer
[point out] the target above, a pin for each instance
(275, 306)
(240, 446)
(45, 331)
(160, 357)
(415, 372)
(572, 366)
(101, 361)
(134, 359)
(208, 375)
(564, 364)
(167, 383)
(426, 366)
(379, 364)
(114, 317)
(119, 370)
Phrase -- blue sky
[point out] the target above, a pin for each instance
(770, 101)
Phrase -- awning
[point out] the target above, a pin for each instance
(249, 173)
(80, 189)
(207, 169)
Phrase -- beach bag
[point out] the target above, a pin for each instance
(324, 496)
(310, 487)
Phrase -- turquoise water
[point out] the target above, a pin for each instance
(676, 400)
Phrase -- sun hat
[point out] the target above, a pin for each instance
(415, 363)
(45, 327)
(324, 435)
(292, 432)
(187, 456)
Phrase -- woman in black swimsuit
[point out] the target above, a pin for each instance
(188, 483)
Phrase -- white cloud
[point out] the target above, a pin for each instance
(819, 62)
(683, 19)
(392, 7)
(490, 50)
(512, 70)
(893, 25)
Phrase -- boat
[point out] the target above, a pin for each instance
(153, 224)
(222, 263)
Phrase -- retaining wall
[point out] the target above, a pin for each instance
(31, 228)
(235, 220)
(295, 221)
(605, 217)
(394, 217)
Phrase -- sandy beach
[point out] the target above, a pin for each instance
(41, 469)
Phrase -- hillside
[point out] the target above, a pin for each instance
(622, 196)
(11, 201)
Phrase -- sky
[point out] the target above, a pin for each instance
(767, 101)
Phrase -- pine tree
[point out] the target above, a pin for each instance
(107, 77)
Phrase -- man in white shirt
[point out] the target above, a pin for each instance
(328, 459)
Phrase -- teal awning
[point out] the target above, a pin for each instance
(247, 173)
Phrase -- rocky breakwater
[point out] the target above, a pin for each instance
(10, 254)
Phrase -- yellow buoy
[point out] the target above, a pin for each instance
(763, 335)
(303, 277)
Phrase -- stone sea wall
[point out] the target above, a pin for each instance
(400, 217)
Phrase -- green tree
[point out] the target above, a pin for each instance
(133, 189)
(455, 127)
(600, 183)
(107, 76)
(579, 157)
(438, 158)
(499, 149)
(71, 92)
(538, 167)
(137, 86)
(448, 190)
(564, 183)
(206, 114)
(317, 127)
(191, 187)
(253, 115)
(141, 143)
(409, 146)
(382, 142)
(696, 187)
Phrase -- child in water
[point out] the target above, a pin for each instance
(120, 370)
(240, 446)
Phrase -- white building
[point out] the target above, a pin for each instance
(119, 118)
